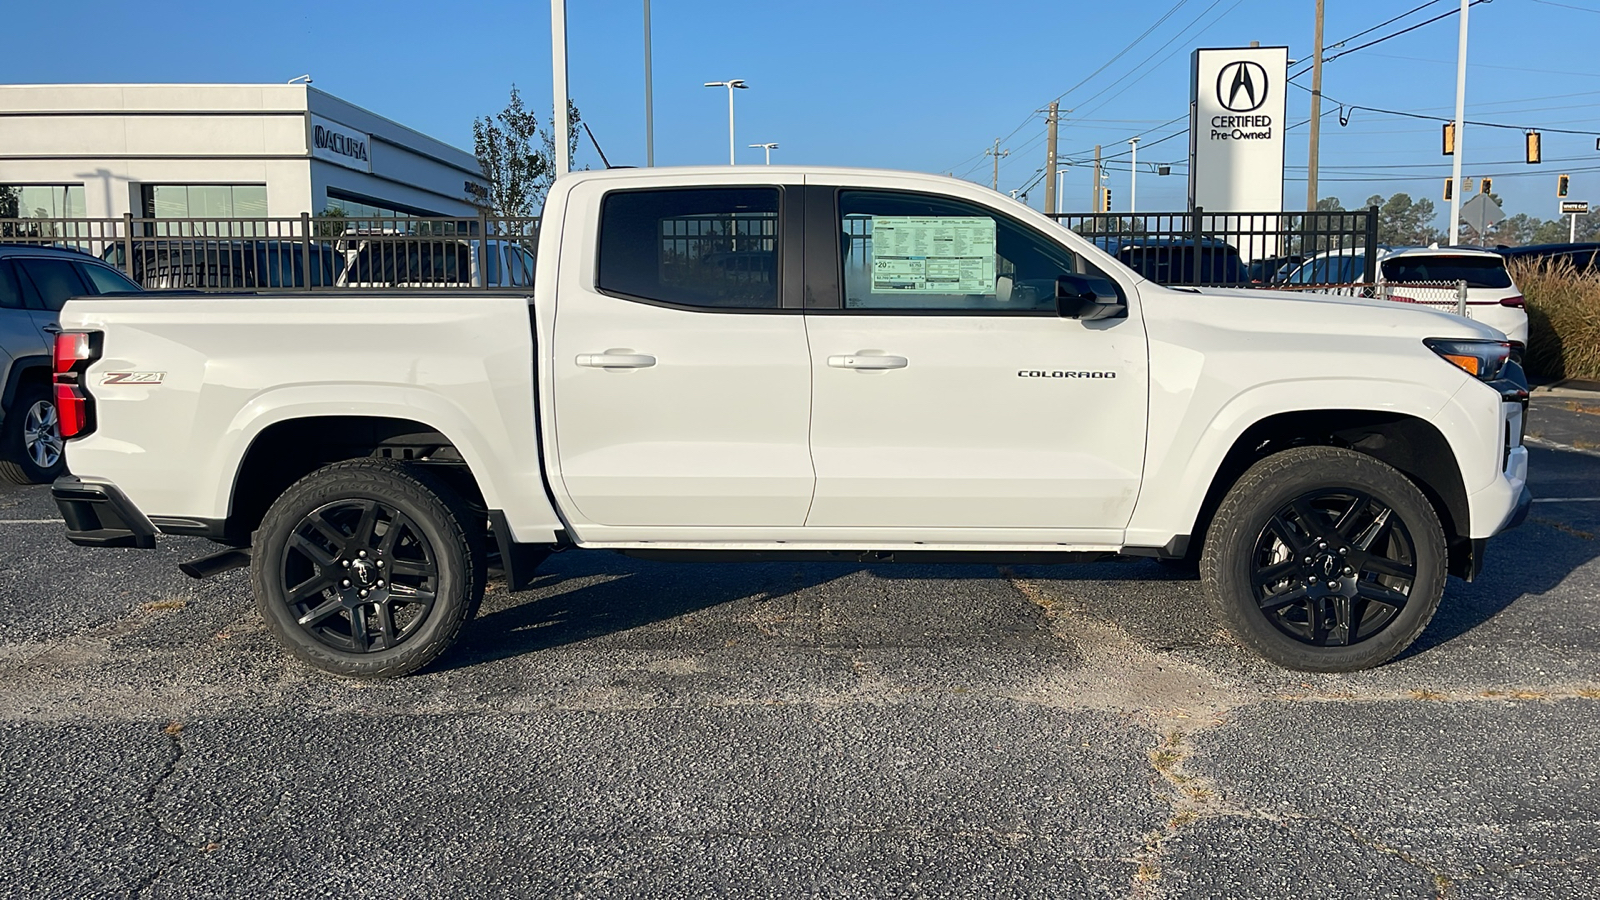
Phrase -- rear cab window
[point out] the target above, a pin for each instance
(1476, 271)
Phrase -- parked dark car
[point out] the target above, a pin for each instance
(35, 282)
(1271, 269)
(1583, 257)
(1174, 260)
(163, 263)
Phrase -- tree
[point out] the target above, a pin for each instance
(518, 158)
(1403, 221)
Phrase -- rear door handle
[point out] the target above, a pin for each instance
(868, 361)
(611, 360)
(51, 329)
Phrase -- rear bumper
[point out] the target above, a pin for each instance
(100, 515)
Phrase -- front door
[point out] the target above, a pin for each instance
(682, 384)
(947, 393)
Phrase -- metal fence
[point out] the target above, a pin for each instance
(1286, 250)
(305, 253)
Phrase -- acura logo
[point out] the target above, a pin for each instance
(1242, 86)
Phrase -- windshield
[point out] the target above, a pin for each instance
(1476, 271)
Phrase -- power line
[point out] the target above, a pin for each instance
(1568, 6)
(1414, 115)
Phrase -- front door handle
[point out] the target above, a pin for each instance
(614, 360)
(51, 329)
(868, 361)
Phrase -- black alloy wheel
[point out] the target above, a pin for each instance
(368, 567)
(359, 576)
(1334, 568)
(1324, 559)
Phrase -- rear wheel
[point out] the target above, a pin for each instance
(368, 568)
(1325, 559)
(31, 448)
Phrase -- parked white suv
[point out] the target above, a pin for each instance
(769, 362)
(1430, 276)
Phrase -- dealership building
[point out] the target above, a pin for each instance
(214, 151)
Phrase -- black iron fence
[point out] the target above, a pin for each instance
(1285, 250)
(304, 253)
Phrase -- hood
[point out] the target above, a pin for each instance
(1294, 310)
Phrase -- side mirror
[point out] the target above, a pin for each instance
(1088, 298)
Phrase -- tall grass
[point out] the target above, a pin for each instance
(1563, 318)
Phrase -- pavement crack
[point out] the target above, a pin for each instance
(176, 753)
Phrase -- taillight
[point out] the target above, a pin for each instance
(1515, 302)
(1399, 299)
(74, 351)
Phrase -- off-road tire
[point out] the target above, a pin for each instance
(1227, 566)
(454, 533)
(16, 466)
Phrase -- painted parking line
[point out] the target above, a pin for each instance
(1566, 499)
(32, 521)
(1557, 445)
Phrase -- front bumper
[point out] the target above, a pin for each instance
(100, 515)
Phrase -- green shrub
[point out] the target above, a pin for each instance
(1563, 318)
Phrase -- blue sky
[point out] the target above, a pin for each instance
(923, 86)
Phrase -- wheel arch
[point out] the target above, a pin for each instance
(288, 449)
(1410, 444)
(24, 370)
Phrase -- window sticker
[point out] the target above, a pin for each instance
(933, 255)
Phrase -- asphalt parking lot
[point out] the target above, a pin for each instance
(631, 729)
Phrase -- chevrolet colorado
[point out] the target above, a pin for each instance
(796, 363)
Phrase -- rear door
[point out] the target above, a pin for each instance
(947, 393)
(682, 376)
(19, 333)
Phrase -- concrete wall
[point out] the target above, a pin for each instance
(111, 138)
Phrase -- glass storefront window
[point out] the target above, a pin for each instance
(42, 201)
(205, 201)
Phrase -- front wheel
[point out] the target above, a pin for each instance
(368, 568)
(1325, 560)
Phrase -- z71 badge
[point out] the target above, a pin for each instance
(133, 378)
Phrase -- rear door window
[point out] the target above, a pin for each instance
(1476, 271)
(10, 290)
(54, 279)
(711, 248)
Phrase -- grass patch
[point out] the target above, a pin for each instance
(173, 729)
(1563, 318)
(1425, 694)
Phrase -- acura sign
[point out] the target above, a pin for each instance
(1236, 109)
(340, 144)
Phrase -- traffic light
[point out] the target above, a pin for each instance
(1562, 182)
(1484, 185)
(1534, 149)
(1449, 189)
(1449, 139)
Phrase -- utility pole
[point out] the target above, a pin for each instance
(1461, 112)
(1099, 198)
(1316, 116)
(996, 153)
(1133, 176)
(650, 103)
(1050, 161)
(558, 65)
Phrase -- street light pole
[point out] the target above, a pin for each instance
(767, 147)
(558, 64)
(1461, 112)
(732, 85)
(1133, 176)
(649, 101)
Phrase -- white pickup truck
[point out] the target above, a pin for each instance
(796, 363)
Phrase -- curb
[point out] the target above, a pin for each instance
(1576, 386)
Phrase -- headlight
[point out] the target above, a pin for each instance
(1483, 360)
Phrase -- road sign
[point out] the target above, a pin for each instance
(1481, 212)
(1574, 207)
